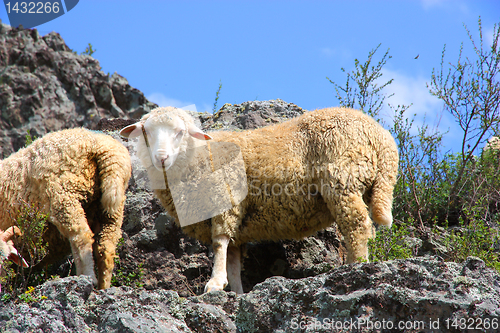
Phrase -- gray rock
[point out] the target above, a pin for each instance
(146, 238)
(415, 292)
(45, 87)
(59, 312)
(164, 224)
(138, 210)
(250, 115)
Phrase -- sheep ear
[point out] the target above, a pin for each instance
(197, 133)
(17, 259)
(131, 131)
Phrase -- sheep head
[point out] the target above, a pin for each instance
(164, 133)
(7, 249)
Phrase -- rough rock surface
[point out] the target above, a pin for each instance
(45, 87)
(422, 294)
(250, 115)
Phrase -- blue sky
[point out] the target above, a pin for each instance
(176, 52)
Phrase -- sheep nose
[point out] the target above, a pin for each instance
(161, 158)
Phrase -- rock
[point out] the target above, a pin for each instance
(250, 115)
(164, 224)
(57, 313)
(45, 86)
(146, 238)
(423, 294)
(401, 291)
(107, 125)
(138, 210)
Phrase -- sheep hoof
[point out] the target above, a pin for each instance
(215, 284)
(94, 279)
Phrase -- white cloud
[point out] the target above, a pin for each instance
(427, 4)
(412, 91)
(209, 108)
(428, 109)
(447, 4)
(488, 36)
(335, 52)
(163, 100)
(328, 51)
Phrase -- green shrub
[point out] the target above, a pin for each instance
(397, 242)
(29, 138)
(214, 110)
(454, 198)
(126, 276)
(89, 50)
(475, 238)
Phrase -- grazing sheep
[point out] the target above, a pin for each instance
(330, 165)
(77, 177)
(7, 249)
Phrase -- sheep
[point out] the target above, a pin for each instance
(7, 249)
(78, 178)
(329, 165)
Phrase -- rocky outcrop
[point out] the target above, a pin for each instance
(422, 294)
(250, 115)
(45, 86)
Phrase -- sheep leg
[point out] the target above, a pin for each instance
(218, 281)
(351, 215)
(82, 253)
(74, 226)
(234, 269)
(105, 251)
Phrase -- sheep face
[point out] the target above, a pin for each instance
(164, 141)
(165, 136)
(7, 249)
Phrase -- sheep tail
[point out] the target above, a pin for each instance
(113, 163)
(382, 188)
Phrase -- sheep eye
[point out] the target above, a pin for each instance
(178, 136)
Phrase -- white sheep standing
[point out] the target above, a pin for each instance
(78, 177)
(330, 165)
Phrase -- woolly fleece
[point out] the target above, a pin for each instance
(78, 177)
